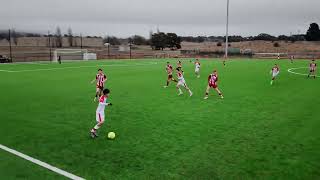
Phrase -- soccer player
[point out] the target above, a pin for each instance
(100, 112)
(197, 68)
(291, 58)
(312, 67)
(213, 83)
(169, 70)
(100, 80)
(278, 56)
(275, 72)
(182, 82)
(179, 64)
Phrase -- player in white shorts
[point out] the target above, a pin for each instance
(197, 68)
(275, 72)
(100, 115)
(182, 82)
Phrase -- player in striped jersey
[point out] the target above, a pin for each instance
(103, 102)
(312, 68)
(213, 83)
(182, 82)
(169, 70)
(275, 72)
(100, 80)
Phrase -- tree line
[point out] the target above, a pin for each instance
(161, 40)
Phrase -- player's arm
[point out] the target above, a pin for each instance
(94, 80)
(105, 79)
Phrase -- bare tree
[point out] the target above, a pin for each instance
(58, 37)
(70, 37)
(14, 36)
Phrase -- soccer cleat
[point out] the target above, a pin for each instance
(206, 97)
(221, 97)
(271, 82)
(191, 94)
(165, 86)
(198, 77)
(93, 134)
(180, 93)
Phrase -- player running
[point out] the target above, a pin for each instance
(213, 83)
(182, 82)
(169, 70)
(275, 72)
(179, 64)
(100, 112)
(100, 80)
(312, 68)
(197, 68)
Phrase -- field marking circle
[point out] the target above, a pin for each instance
(301, 74)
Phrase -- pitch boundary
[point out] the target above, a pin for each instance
(77, 67)
(41, 163)
(301, 74)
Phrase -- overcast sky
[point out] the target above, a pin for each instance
(185, 17)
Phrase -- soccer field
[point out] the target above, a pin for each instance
(257, 131)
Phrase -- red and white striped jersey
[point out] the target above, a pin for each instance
(213, 79)
(169, 69)
(102, 104)
(101, 78)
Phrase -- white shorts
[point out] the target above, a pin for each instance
(181, 82)
(275, 74)
(100, 117)
(197, 70)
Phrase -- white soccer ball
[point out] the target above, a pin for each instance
(111, 135)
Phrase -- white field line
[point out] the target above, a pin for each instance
(40, 163)
(77, 67)
(301, 74)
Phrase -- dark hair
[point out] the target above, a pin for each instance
(106, 91)
(99, 69)
(178, 69)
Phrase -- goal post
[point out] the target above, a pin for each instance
(72, 54)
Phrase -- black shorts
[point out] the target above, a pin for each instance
(100, 87)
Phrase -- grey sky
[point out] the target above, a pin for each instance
(185, 17)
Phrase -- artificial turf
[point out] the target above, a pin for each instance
(258, 131)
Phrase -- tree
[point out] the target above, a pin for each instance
(139, 40)
(265, 37)
(111, 40)
(14, 36)
(159, 41)
(276, 44)
(58, 37)
(313, 33)
(173, 41)
(70, 37)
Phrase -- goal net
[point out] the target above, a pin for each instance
(72, 54)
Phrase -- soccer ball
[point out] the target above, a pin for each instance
(111, 135)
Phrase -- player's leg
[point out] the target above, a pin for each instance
(100, 121)
(207, 92)
(219, 92)
(97, 94)
(187, 88)
(178, 88)
(274, 75)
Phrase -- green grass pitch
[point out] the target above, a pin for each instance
(257, 132)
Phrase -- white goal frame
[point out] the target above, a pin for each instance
(58, 52)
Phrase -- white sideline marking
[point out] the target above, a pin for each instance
(40, 163)
(77, 67)
(301, 74)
